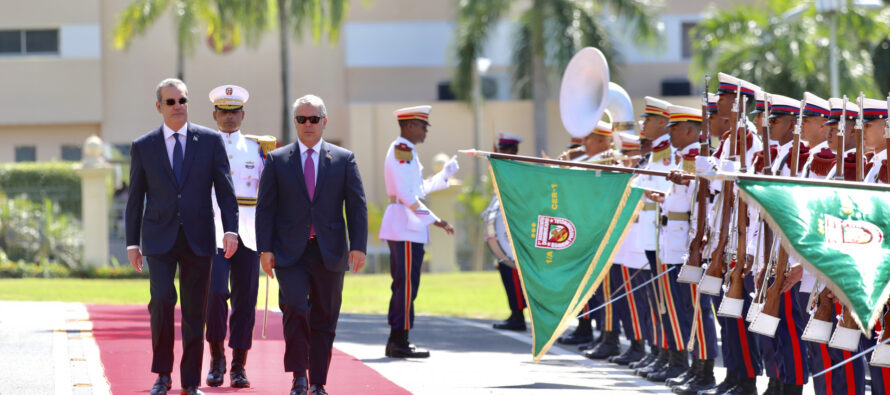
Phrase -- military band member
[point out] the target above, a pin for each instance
(406, 221)
(507, 143)
(245, 156)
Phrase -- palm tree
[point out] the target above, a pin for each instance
(189, 16)
(295, 16)
(789, 55)
(549, 34)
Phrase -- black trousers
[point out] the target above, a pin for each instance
(309, 296)
(194, 279)
(405, 259)
(243, 270)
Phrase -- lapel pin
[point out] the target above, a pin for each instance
(329, 156)
(195, 138)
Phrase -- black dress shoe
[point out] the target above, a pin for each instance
(728, 383)
(510, 325)
(191, 391)
(317, 389)
(394, 350)
(583, 333)
(162, 385)
(300, 386)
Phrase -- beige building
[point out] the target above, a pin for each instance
(63, 81)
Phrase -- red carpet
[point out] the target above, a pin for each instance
(124, 338)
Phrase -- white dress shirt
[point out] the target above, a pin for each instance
(315, 149)
(170, 143)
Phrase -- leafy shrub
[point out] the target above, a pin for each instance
(39, 233)
(39, 181)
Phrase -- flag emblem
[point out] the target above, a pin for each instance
(844, 231)
(554, 233)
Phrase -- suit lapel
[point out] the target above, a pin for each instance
(297, 163)
(323, 163)
(161, 147)
(191, 148)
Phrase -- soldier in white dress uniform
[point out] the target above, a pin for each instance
(245, 153)
(406, 222)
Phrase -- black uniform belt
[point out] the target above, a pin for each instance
(246, 202)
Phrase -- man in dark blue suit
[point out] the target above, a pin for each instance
(302, 235)
(169, 219)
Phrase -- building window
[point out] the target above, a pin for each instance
(687, 38)
(72, 153)
(29, 42)
(26, 153)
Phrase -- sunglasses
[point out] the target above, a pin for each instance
(172, 102)
(313, 119)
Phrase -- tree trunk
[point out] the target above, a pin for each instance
(285, 71)
(539, 102)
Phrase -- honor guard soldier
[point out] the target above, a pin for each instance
(875, 114)
(406, 222)
(849, 154)
(245, 153)
(497, 240)
(654, 128)
(596, 147)
(631, 269)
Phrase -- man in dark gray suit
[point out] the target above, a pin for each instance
(169, 219)
(302, 235)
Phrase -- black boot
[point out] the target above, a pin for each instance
(583, 333)
(516, 322)
(746, 386)
(398, 346)
(239, 375)
(606, 348)
(649, 358)
(635, 352)
(664, 357)
(679, 363)
(774, 387)
(217, 364)
(687, 376)
(791, 389)
(728, 383)
(704, 380)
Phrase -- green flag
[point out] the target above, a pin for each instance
(564, 226)
(837, 233)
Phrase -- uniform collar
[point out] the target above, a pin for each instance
(169, 132)
(689, 147)
(660, 139)
(229, 136)
(316, 147)
(402, 140)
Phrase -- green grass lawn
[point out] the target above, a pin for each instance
(463, 294)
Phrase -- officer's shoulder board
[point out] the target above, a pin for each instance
(689, 160)
(267, 143)
(403, 153)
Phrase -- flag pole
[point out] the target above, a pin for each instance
(531, 159)
(800, 181)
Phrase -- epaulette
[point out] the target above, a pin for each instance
(662, 152)
(850, 167)
(689, 160)
(802, 157)
(403, 153)
(823, 161)
(267, 143)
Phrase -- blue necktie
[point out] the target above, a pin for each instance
(177, 158)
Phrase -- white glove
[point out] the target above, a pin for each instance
(451, 167)
(705, 164)
(730, 166)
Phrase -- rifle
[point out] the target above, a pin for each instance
(717, 266)
(860, 140)
(841, 129)
(703, 190)
(773, 293)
